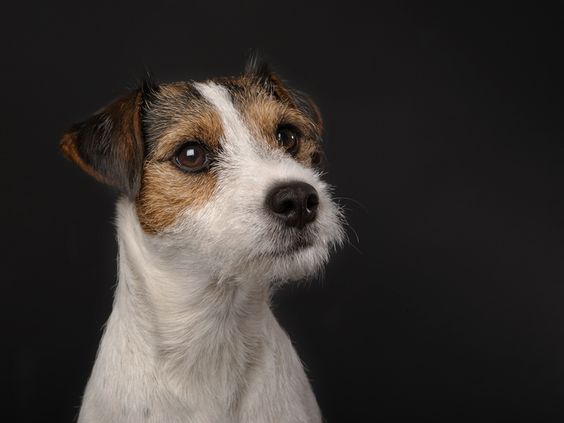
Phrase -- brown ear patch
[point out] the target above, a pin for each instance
(109, 145)
(68, 146)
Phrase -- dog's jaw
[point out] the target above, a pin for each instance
(181, 346)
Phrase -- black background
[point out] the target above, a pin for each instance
(445, 141)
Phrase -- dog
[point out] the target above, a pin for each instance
(220, 200)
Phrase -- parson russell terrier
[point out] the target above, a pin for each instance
(221, 200)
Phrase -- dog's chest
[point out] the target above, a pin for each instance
(129, 386)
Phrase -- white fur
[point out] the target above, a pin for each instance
(191, 337)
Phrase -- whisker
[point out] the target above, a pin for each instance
(349, 242)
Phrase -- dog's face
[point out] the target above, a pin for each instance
(223, 173)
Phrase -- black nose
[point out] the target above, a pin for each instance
(294, 203)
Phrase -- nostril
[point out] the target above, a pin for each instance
(286, 206)
(281, 201)
(312, 202)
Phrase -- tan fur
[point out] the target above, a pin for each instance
(166, 191)
(263, 113)
(195, 120)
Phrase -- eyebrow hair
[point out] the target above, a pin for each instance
(166, 109)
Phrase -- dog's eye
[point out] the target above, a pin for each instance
(192, 157)
(289, 138)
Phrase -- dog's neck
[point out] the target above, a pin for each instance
(189, 326)
(183, 346)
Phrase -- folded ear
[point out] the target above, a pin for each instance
(261, 71)
(109, 145)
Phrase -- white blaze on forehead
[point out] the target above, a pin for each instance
(235, 132)
(248, 167)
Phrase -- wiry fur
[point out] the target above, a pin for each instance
(191, 337)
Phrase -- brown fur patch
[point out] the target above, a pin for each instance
(263, 113)
(179, 119)
(167, 191)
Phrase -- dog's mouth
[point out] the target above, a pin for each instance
(299, 244)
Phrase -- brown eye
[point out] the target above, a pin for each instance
(192, 157)
(289, 138)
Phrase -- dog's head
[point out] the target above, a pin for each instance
(222, 174)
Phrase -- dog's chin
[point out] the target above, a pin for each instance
(300, 245)
(277, 254)
(295, 262)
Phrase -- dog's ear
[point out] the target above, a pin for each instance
(260, 70)
(109, 145)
